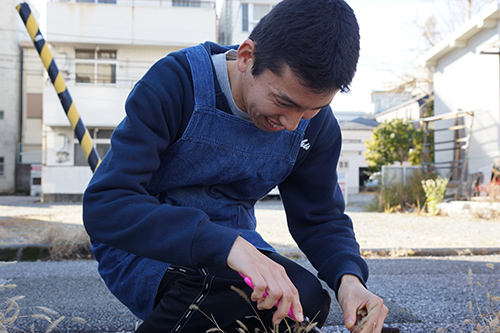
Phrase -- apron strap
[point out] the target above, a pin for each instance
(203, 78)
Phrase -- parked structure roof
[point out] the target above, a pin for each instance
(359, 124)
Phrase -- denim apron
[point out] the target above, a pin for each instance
(221, 165)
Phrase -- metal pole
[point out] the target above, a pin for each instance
(62, 91)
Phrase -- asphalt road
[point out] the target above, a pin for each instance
(423, 294)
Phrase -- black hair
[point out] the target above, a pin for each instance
(318, 39)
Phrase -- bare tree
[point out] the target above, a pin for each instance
(447, 17)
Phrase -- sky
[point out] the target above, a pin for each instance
(388, 45)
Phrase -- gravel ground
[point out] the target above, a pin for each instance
(373, 230)
(392, 231)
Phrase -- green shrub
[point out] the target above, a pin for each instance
(434, 192)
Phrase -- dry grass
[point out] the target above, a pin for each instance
(20, 231)
(482, 319)
(65, 243)
(68, 241)
(11, 313)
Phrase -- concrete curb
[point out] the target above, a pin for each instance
(25, 252)
(35, 252)
(43, 252)
(408, 252)
(436, 252)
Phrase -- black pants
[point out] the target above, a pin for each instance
(185, 293)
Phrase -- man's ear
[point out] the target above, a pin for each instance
(245, 58)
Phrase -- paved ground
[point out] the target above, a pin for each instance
(423, 293)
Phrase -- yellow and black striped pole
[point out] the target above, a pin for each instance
(62, 91)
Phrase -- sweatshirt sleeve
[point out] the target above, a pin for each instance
(315, 206)
(117, 208)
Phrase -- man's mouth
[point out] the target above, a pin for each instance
(273, 124)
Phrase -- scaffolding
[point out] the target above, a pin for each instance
(448, 135)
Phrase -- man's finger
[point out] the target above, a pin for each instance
(372, 321)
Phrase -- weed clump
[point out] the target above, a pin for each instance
(294, 327)
(399, 197)
(434, 192)
(66, 243)
(482, 320)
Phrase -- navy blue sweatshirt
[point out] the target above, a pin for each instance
(121, 210)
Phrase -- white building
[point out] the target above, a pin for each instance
(405, 97)
(102, 47)
(355, 132)
(12, 31)
(467, 78)
(411, 109)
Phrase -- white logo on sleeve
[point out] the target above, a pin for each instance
(305, 144)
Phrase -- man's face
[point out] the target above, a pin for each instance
(276, 102)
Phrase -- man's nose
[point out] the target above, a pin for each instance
(291, 120)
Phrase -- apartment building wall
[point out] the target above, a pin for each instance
(32, 106)
(102, 50)
(467, 78)
(352, 160)
(11, 32)
(454, 92)
(131, 23)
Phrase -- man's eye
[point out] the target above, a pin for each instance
(282, 104)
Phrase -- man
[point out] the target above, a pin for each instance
(209, 131)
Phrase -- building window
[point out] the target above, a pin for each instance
(95, 66)
(186, 3)
(344, 165)
(97, 1)
(101, 138)
(1, 166)
(251, 15)
(1, 115)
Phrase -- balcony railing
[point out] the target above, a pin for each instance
(148, 3)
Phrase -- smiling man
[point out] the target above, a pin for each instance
(209, 131)
(273, 101)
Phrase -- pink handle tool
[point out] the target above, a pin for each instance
(249, 283)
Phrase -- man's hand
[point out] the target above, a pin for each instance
(266, 275)
(364, 312)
